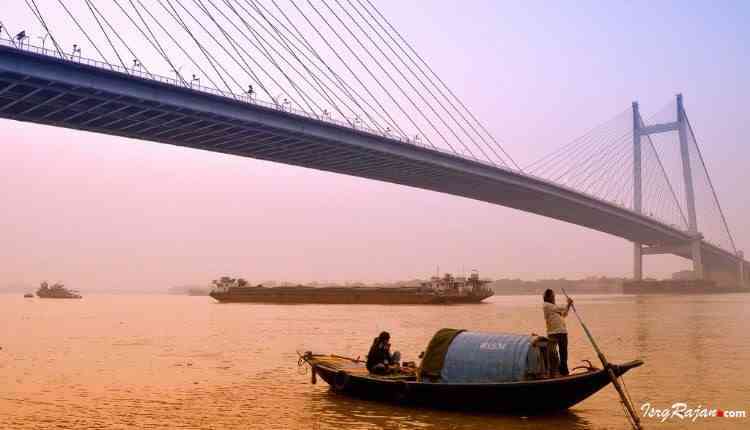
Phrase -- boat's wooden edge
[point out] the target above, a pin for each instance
(561, 379)
(310, 358)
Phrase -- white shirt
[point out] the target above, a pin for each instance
(554, 317)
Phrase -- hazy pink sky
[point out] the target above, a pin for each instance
(103, 212)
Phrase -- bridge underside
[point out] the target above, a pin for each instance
(54, 92)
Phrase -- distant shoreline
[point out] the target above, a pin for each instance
(501, 287)
(592, 285)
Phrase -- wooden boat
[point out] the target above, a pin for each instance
(536, 395)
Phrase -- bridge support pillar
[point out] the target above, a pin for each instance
(741, 271)
(698, 268)
(637, 262)
(637, 190)
(687, 175)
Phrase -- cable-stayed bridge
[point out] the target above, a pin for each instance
(367, 106)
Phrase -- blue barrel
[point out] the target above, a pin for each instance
(488, 357)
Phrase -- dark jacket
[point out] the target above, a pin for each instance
(379, 354)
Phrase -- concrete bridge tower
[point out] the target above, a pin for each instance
(681, 127)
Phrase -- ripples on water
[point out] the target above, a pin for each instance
(186, 362)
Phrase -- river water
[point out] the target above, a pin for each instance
(159, 361)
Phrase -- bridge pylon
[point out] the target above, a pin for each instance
(637, 190)
(682, 128)
(741, 268)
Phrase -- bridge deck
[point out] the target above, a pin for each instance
(51, 91)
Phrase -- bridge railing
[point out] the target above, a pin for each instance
(140, 72)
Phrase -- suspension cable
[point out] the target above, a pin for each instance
(710, 183)
(361, 29)
(279, 37)
(342, 85)
(38, 14)
(153, 41)
(106, 36)
(119, 37)
(390, 120)
(85, 34)
(443, 83)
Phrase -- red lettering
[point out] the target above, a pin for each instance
(719, 413)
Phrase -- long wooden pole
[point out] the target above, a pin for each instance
(634, 420)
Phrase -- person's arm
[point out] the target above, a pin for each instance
(563, 310)
(567, 308)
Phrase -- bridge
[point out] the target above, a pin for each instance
(66, 89)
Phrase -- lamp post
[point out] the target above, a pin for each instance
(20, 37)
(43, 39)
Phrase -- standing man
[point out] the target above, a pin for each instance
(554, 317)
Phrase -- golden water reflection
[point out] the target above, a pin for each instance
(186, 362)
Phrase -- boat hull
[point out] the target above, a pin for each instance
(350, 296)
(56, 296)
(527, 397)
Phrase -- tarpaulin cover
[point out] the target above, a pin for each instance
(487, 357)
(434, 356)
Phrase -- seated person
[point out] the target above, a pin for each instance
(379, 359)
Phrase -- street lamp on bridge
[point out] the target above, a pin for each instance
(43, 39)
(20, 37)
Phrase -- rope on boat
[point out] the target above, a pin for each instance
(356, 360)
(588, 367)
(304, 359)
(302, 369)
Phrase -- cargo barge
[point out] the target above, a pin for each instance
(445, 290)
(56, 291)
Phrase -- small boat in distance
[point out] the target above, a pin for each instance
(28, 295)
(496, 373)
(445, 290)
(56, 291)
